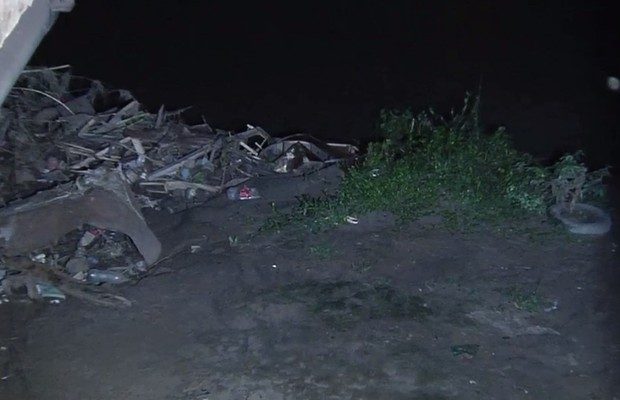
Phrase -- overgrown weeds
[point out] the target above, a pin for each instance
(428, 163)
(528, 300)
(322, 251)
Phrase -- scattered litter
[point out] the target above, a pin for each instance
(105, 276)
(139, 266)
(80, 276)
(70, 143)
(40, 258)
(302, 153)
(77, 265)
(242, 193)
(87, 239)
(352, 220)
(47, 291)
(552, 307)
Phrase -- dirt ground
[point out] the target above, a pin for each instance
(376, 310)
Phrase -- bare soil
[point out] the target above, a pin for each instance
(376, 310)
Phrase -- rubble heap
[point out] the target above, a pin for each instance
(77, 163)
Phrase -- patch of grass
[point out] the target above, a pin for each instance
(342, 304)
(322, 251)
(428, 163)
(313, 214)
(277, 221)
(527, 300)
(361, 266)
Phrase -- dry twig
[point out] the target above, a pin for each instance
(25, 89)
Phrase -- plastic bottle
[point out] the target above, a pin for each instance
(105, 276)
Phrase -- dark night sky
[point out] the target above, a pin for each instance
(326, 68)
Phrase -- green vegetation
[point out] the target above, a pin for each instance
(361, 266)
(527, 300)
(322, 251)
(341, 304)
(572, 182)
(428, 163)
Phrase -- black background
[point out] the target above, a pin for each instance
(327, 68)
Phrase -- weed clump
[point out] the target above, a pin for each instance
(428, 163)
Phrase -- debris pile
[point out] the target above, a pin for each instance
(78, 161)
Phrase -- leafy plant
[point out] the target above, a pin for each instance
(431, 163)
(573, 182)
(321, 251)
(525, 300)
(428, 163)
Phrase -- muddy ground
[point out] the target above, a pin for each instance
(377, 310)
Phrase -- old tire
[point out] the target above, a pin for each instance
(584, 219)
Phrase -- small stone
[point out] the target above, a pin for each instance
(76, 265)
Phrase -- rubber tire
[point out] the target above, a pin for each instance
(600, 226)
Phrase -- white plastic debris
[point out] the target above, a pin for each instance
(352, 220)
(47, 291)
(87, 238)
(552, 307)
(40, 258)
(613, 83)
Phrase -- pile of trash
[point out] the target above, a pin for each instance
(78, 161)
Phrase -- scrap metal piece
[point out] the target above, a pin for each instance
(301, 153)
(106, 202)
(178, 164)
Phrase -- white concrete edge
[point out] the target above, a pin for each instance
(23, 38)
